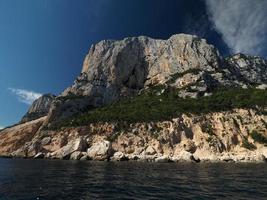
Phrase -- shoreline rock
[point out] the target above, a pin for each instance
(214, 137)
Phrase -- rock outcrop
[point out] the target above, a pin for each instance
(216, 137)
(15, 139)
(100, 151)
(39, 108)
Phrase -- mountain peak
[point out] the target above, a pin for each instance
(39, 108)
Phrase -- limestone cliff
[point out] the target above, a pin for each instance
(184, 73)
(113, 70)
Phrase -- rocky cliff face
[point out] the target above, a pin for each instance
(39, 108)
(248, 69)
(230, 136)
(16, 137)
(115, 70)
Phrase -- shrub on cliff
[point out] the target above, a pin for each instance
(154, 106)
(258, 137)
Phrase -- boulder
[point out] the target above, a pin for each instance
(46, 141)
(183, 156)
(150, 151)
(189, 146)
(100, 151)
(163, 159)
(66, 151)
(119, 156)
(84, 157)
(76, 155)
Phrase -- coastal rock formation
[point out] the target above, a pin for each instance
(181, 69)
(15, 138)
(230, 136)
(250, 69)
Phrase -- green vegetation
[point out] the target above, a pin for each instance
(236, 123)
(153, 106)
(258, 137)
(246, 144)
(209, 139)
(264, 123)
(113, 137)
(70, 96)
(207, 128)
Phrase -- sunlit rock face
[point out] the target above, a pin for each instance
(114, 69)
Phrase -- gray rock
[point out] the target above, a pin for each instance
(76, 155)
(249, 69)
(150, 151)
(84, 157)
(66, 151)
(119, 156)
(100, 151)
(39, 108)
(163, 159)
(46, 141)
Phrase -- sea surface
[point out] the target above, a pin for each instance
(68, 180)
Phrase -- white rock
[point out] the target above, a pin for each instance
(66, 151)
(163, 159)
(100, 150)
(76, 155)
(119, 156)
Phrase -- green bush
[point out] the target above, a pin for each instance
(257, 137)
(113, 136)
(207, 128)
(246, 144)
(150, 106)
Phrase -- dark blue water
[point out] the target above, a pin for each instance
(53, 179)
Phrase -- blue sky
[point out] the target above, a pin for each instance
(43, 42)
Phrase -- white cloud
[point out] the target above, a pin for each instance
(242, 23)
(1, 127)
(25, 96)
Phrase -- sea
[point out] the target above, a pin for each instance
(58, 179)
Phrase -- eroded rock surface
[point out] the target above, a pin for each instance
(217, 137)
(113, 70)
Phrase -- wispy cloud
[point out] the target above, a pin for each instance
(242, 23)
(25, 96)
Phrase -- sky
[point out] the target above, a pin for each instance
(43, 42)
